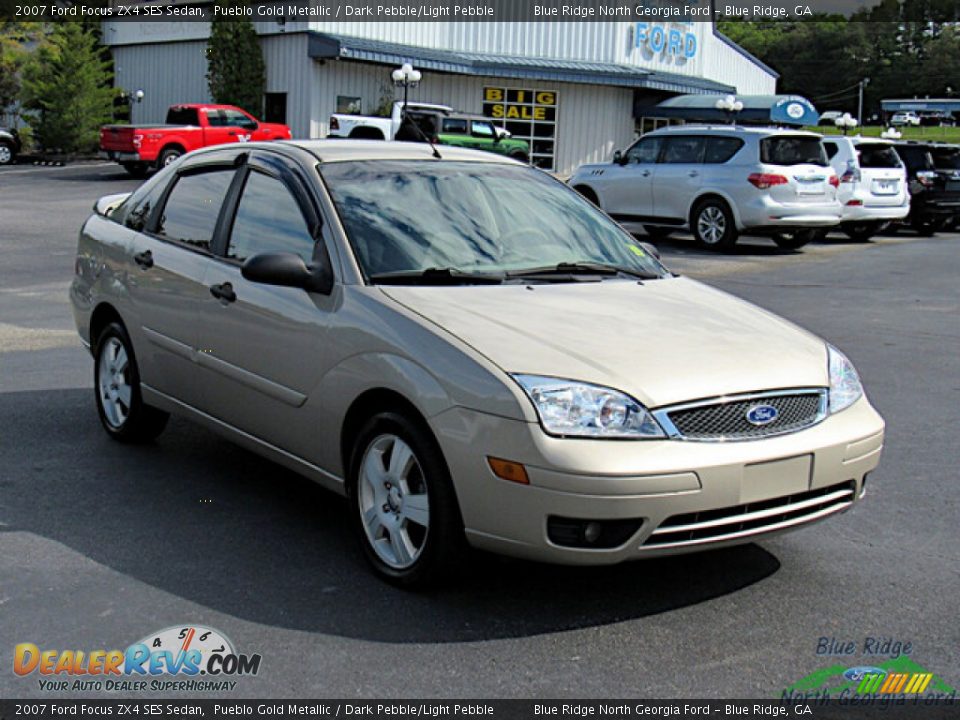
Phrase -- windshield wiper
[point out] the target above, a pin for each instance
(435, 276)
(582, 268)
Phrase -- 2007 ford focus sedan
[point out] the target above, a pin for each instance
(468, 350)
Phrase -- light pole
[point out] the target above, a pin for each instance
(406, 77)
(862, 84)
(845, 122)
(731, 106)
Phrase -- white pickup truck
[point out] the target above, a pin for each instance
(369, 127)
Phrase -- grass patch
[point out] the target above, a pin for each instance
(942, 134)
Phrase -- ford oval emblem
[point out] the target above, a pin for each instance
(762, 415)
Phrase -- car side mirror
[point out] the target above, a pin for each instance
(618, 157)
(497, 137)
(650, 248)
(108, 203)
(289, 270)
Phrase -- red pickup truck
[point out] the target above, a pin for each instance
(188, 127)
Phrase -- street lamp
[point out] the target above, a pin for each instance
(405, 76)
(846, 122)
(729, 105)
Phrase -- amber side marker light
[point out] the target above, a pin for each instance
(509, 470)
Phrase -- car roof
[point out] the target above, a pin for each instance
(734, 129)
(328, 151)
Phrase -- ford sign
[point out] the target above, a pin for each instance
(760, 415)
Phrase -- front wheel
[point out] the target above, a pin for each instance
(403, 503)
(797, 239)
(713, 224)
(116, 381)
(7, 154)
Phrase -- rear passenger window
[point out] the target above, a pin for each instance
(182, 116)
(832, 149)
(683, 149)
(721, 149)
(453, 125)
(192, 207)
(268, 220)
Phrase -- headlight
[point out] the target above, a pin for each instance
(575, 409)
(845, 387)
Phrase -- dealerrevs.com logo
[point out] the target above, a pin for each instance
(188, 658)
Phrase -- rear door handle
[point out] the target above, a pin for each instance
(693, 173)
(224, 292)
(645, 173)
(144, 259)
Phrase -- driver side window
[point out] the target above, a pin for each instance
(268, 220)
(644, 151)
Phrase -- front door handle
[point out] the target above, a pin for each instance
(645, 173)
(693, 173)
(144, 259)
(224, 292)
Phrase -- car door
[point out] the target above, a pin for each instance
(626, 188)
(243, 127)
(483, 136)
(264, 347)
(677, 176)
(166, 280)
(455, 131)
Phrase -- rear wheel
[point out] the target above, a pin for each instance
(926, 226)
(136, 169)
(657, 233)
(402, 502)
(520, 157)
(713, 224)
(168, 156)
(116, 382)
(861, 232)
(797, 238)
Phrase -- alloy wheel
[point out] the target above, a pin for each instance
(114, 382)
(393, 501)
(711, 224)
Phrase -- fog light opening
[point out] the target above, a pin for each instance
(591, 534)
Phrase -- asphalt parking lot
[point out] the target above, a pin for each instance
(101, 544)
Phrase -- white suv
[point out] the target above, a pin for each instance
(873, 184)
(719, 182)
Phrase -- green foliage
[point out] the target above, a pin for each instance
(825, 58)
(13, 54)
(235, 68)
(66, 90)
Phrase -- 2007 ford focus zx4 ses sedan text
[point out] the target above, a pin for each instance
(468, 350)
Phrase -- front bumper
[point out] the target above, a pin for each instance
(750, 489)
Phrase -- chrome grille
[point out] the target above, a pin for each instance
(732, 523)
(726, 418)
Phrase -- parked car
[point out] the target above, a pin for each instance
(933, 174)
(443, 341)
(720, 182)
(370, 127)
(139, 148)
(873, 184)
(10, 145)
(936, 118)
(907, 117)
(479, 132)
(829, 118)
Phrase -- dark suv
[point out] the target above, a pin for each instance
(933, 175)
(9, 145)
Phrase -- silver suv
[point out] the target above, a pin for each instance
(719, 182)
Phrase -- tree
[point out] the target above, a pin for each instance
(235, 69)
(67, 90)
(13, 54)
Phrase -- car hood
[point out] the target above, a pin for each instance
(663, 341)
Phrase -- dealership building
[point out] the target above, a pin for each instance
(574, 91)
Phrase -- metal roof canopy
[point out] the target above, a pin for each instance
(764, 109)
(324, 46)
(945, 104)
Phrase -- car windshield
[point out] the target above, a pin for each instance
(410, 216)
(878, 155)
(792, 150)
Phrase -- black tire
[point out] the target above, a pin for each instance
(713, 224)
(442, 543)
(169, 155)
(588, 194)
(926, 226)
(136, 169)
(797, 239)
(141, 422)
(861, 232)
(8, 153)
(656, 232)
(520, 157)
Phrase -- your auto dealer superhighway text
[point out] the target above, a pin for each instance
(356, 709)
